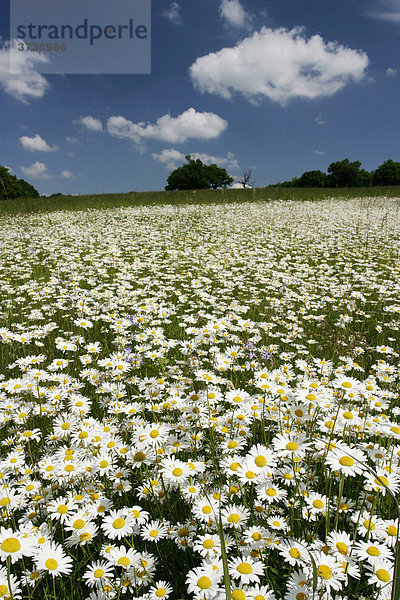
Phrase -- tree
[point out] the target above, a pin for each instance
(11, 187)
(312, 179)
(388, 173)
(246, 180)
(347, 174)
(217, 176)
(195, 175)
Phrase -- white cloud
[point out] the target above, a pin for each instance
(172, 158)
(90, 123)
(391, 72)
(390, 11)
(319, 152)
(189, 124)
(36, 143)
(37, 170)
(72, 140)
(172, 13)
(279, 64)
(67, 175)
(233, 13)
(27, 84)
(320, 119)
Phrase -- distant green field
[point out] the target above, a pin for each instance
(38, 205)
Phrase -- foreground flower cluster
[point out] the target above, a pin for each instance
(200, 400)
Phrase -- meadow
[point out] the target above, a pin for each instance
(199, 399)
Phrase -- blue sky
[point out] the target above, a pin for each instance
(278, 86)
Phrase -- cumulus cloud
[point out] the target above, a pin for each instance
(27, 84)
(67, 175)
(320, 119)
(233, 13)
(189, 124)
(36, 143)
(172, 158)
(90, 123)
(319, 152)
(280, 64)
(37, 170)
(172, 13)
(391, 72)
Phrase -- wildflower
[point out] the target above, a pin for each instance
(14, 545)
(154, 531)
(117, 524)
(203, 582)
(348, 461)
(245, 569)
(98, 573)
(160, 589)
(235, 516)
(51, 557)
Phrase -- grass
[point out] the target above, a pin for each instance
(226, 373)
(73, 203)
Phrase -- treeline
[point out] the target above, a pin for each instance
(348, 174)
(11, 187)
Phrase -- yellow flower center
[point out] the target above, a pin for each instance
(104, 464)
(391, 530)
(154, 434)
(271, 492)
(233, 518)
(373, 551)
(346, 461)
(79, 524)
(342, 548)
(292, 446)
(232, 444)
(119, 523)
(208, 544)
(260, 460)
(324, 572)
(204, 583)
(294, 552)
(98, 573)
(256, 536)
(318, 503)
(153, 533)
(160, 593)
(177, 472)
(206, 510)
(238, 595)
(139, 456)
(124, 561)
(384, 481)
(51, 564)
(10, 545)
(250, 474)
(369, 525)
(245, 568)
(62, 509)
(383, 575)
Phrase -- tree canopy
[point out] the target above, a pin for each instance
(11, 187)
(344, 173)
(195, 175)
